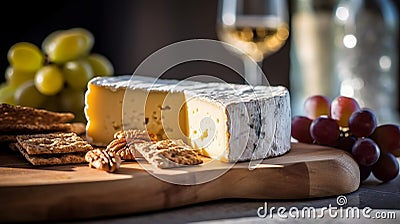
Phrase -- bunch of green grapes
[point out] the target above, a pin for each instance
(55, 76)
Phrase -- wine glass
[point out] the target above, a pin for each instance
(257, 27)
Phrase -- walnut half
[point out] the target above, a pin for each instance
(124, 142)
(103, 160)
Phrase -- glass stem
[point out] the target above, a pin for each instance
(252, 71)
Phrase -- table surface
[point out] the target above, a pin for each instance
(380, 197)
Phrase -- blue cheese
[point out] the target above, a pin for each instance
(228, 122)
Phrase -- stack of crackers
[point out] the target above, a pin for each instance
(49, 138)
(43, 137)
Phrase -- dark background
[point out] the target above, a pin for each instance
(128, 31)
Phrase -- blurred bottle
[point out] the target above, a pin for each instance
(311, 70)
(366, 54)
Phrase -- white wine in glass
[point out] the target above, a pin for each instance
(257, 27)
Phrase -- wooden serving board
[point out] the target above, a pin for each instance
(76, 191)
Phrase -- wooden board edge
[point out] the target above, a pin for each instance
(327, 185)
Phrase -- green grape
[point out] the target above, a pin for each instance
(7, 93)
(49, 80)
(17, 77)
(77, 73)
(68, 45)
(52, 103)
(100, 64)
(80, 117)
(50, 38)
(72, 99)
(65, 47)
(27, 95)
(25, 56)
(87, 35)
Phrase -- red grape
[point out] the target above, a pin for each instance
(301, 129)
(317, 105)
(386, 168)
(365, 171)
(346, 143)
(325, 131)
(387, 136)
(341, 109)
(365, 151)
(362, 123)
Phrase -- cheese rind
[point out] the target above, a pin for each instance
(228, 122)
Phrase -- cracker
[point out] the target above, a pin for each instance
(169, 154)
(24, 119)
(78, 127)
(51, 143)
(8, 138)
(13, 146)
(54, 159)
(34, 128)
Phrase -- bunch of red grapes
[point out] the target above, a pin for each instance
(344, 125)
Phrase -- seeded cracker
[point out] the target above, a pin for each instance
(51, 159)
(20, 119)
(169, 154)
(52, 143)
(78, 127)
(8, 138)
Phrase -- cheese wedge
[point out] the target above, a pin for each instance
(228, 122)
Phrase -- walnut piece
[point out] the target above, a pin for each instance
(135, 134)
(103, 160)
(124, 142)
